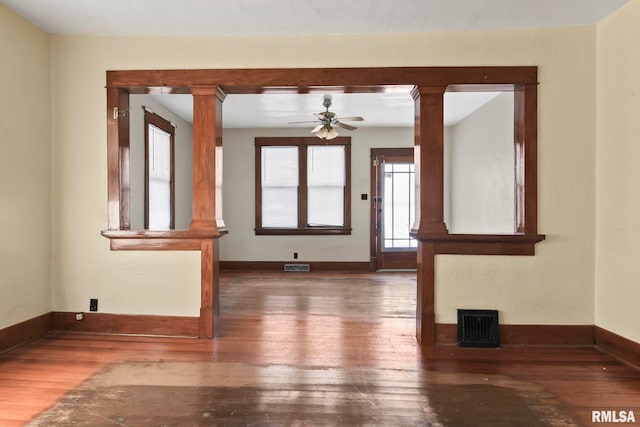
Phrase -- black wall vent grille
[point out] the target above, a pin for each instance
(478, 328)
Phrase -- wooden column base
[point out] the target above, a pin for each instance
(210, 291)
(425, 314)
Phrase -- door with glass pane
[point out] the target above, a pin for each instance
(393, 208)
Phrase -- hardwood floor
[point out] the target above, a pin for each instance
(307, 349)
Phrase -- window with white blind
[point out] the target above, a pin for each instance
(159, 182)
(303, 186)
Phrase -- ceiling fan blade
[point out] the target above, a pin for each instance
(345, 126)
(308, 121)
(351, 119)
(317, 128)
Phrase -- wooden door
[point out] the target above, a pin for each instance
(392, 208)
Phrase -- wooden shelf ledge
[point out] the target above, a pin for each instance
(482, 244)
(150, 240)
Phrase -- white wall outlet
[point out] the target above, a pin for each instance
(79, 316)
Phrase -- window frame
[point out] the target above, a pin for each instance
(303, 228)
(151, 118)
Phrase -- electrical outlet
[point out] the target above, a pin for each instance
(295, 255)
(79, 316)
(93, 304)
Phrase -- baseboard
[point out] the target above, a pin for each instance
(24, 332)
(556, 335)
(106, 323)
(278, 266)
(618, 346)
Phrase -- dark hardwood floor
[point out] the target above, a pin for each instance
(305, 350)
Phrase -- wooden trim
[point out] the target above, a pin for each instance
(117, 159)
(24, 332)
(146, 244)
(526, 158)
(179, 240)
(302, 231)
(163, 234)
(106, 323)
(618, 346)
(484, 244)
(290, 80)
(315, 266)
(552, 335)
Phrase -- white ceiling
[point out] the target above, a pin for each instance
(278, 110)
(265, 17)
(235, 17)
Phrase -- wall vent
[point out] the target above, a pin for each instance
(478, 328)
(297, 267)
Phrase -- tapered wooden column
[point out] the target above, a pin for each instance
(429, 159)
(429, 166)
(207, 158)
(207, 198)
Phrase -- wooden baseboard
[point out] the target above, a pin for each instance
(105, 323)
(618, 346)
(24, 332)
(278, 266)
(557, 335)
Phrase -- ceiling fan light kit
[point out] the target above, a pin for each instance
(328, 120)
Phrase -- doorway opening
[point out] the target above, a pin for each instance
(393, 208)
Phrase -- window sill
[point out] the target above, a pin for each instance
(316, 231)
(483, 244)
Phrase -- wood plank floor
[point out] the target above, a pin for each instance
(307, 349)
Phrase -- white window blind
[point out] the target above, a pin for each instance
(325, 185)
(159, 162)
(279, 167)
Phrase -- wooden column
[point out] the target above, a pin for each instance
(209, 290)
(425, 298)
(429, 159)
(429, 166)
(118, 159)
(526, 158)
(207, 158)
(207, 198)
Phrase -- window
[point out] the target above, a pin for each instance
(398, 209)
(303, 186)
(159, 200)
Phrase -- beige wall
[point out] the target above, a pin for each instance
(555, 287)
(480, 169)
(25, 194)
(618, 173)
(239, 203)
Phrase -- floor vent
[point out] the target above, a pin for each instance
(297, 267)
(478, 328)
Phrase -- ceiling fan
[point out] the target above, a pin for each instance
(329, 120)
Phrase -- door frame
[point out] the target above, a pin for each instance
(379, 259)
